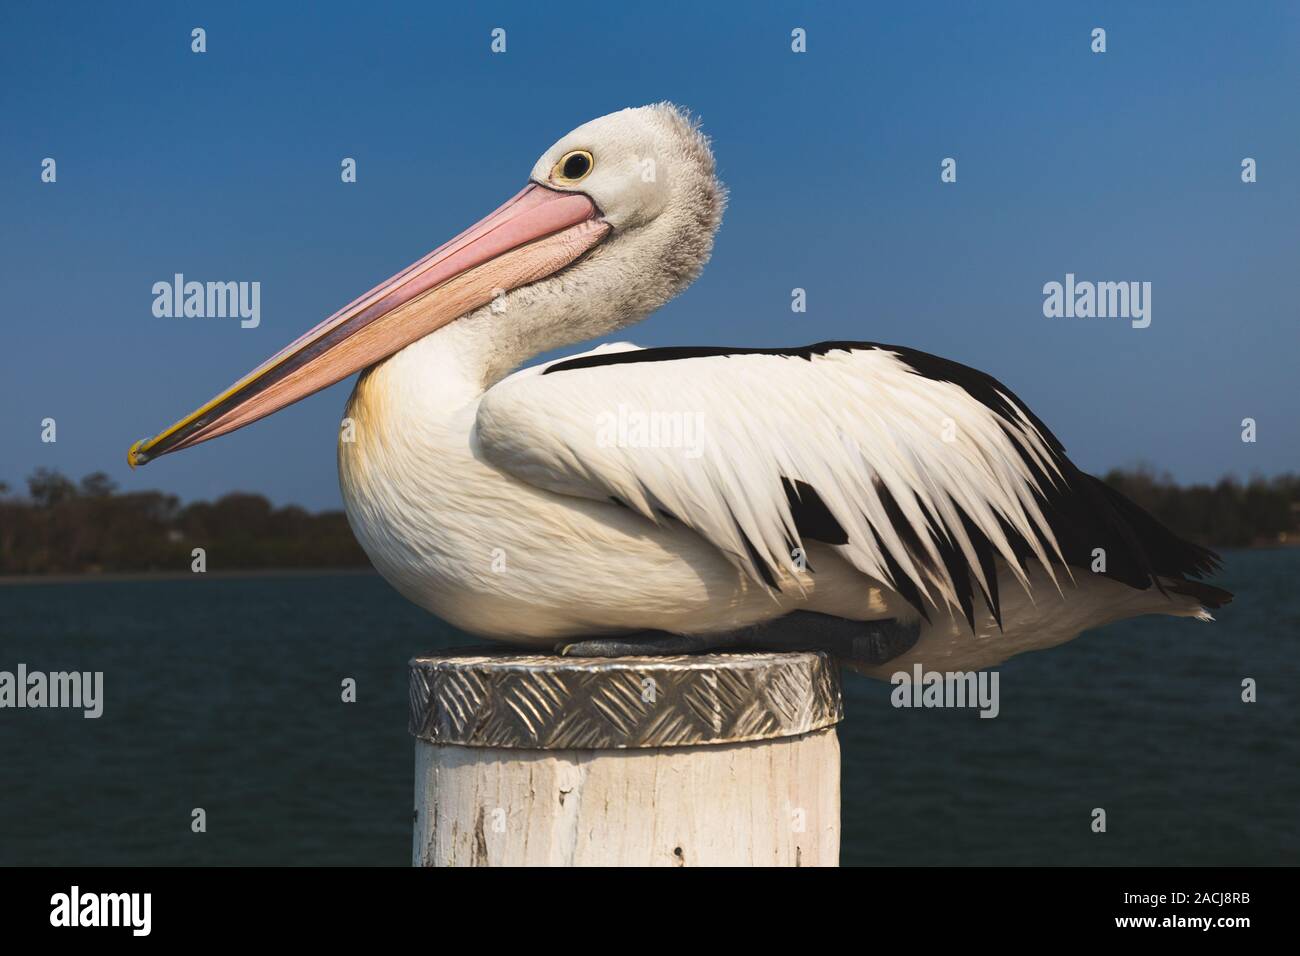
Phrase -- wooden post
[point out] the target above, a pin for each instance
(710, 760)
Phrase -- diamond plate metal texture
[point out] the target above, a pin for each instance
(488, 698)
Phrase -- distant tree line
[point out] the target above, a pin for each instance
(1262, 512)
(62, 527)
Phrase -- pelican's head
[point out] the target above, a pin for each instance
(617, 218)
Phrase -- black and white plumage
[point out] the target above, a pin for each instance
(691, 491)
(928, 478)
(933, 518)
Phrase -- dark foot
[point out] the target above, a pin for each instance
(868, 643)
(647, 644)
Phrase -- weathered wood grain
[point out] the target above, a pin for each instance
(759, 803)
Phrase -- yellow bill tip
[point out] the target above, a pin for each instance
(135, 456)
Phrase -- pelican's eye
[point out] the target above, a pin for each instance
(573, 167)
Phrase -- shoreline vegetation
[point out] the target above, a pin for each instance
(64, 528)
(15, 580)
(61, 530)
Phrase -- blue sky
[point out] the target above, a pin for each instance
(225, 166)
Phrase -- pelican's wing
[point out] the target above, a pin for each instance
(919, 471)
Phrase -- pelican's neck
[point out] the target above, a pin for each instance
(450, 367)
(410, 417)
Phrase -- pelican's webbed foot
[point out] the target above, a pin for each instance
(868, 643)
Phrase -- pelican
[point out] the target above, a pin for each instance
(885, 504)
